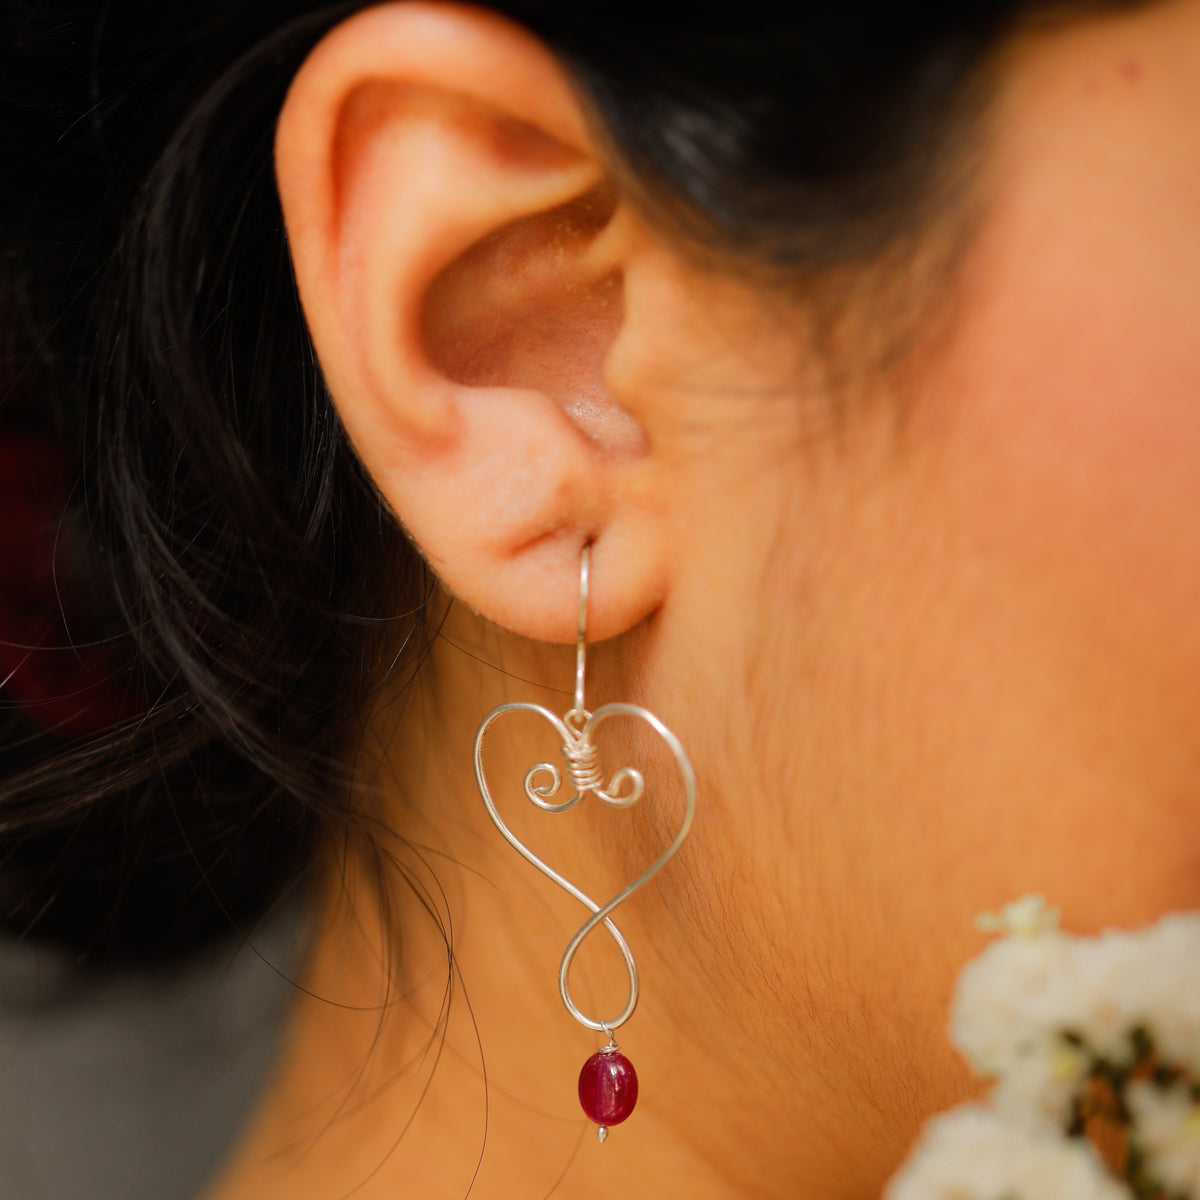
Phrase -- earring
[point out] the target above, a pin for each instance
(608, 1084)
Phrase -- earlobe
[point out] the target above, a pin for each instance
(444, 203)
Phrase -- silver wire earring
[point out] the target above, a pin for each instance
(608, 1084)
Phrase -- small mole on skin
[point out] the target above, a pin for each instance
(1131, 70)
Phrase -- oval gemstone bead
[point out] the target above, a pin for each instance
(608, 1087)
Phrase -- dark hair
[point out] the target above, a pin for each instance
(239, 586)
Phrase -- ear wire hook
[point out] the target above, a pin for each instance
(579, 712)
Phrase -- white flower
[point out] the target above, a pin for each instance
(1167, 1128)
(1026, 917)
(1161, 990)
(1038, 1011)
(1017, 1000)
(1040, 1083)
(974, 1154)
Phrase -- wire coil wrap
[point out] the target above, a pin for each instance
(583, 768)
(583, 764)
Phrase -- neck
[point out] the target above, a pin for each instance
(411, 1071)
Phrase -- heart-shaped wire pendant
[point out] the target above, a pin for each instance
(543, 780)
(608, 1085)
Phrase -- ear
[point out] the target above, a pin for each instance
(460, 254)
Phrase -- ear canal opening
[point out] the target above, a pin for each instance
(526, 308)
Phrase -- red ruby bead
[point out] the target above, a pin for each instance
(608, 1087)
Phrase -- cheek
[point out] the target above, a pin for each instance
(1072, 399)
(1057, 661)
(1071, 461)
(988, 676)
(1044, 567)
(966, 666)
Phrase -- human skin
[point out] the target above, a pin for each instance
(922, 666)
